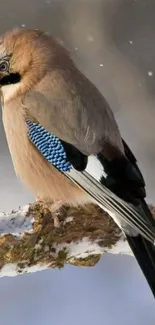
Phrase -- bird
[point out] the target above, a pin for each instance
(65, 143)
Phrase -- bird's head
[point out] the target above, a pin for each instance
(25, 57)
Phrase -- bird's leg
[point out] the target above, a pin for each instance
(52, 207)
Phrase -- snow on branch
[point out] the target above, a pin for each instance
(30, 242)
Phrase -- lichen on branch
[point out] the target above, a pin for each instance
(29, 240)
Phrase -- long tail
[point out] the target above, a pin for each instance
(141, 224)
(119, 188)
(143, 250)
(145, 255)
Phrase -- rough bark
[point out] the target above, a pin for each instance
(29, 240)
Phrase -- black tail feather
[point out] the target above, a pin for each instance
(143, 250)
(144, 253)
(126, 181)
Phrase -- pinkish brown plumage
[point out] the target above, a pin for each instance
(40, 83)
(45, 68)
(31, 167)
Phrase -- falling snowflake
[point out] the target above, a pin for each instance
(90, 38)
(150, 73)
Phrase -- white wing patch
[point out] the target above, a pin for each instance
(95, 168)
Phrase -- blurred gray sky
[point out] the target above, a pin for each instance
(112, 42)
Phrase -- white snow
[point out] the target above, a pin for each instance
(121, 247)
(37, 267)
(8, 270)
(82, 248)
(16, 223)
(46, 248)
(131, 42)
(85, 247)
(101, 64)
(79, 249)
(11, 269)
(38, 245)
(150, 73)
(69, 219)
(90, 38)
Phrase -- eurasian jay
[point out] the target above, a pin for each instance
(64, 141)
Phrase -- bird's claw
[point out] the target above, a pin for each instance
(53, 208)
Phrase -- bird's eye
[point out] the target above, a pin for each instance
(3, 66)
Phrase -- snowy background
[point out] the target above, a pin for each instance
(113, 43)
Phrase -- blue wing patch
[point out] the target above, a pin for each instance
(49, 146)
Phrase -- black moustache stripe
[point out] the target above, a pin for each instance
(12, 78)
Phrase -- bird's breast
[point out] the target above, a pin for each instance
(16, 133)
(41, 177)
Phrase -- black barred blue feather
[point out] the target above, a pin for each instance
(49, 146)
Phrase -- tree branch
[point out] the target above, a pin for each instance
(30, 242)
